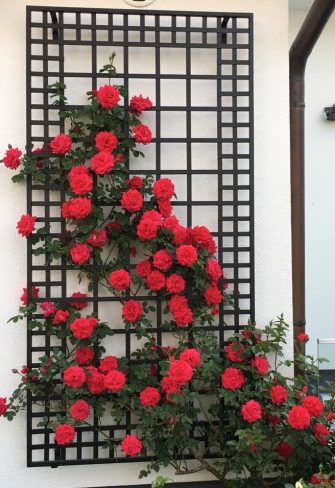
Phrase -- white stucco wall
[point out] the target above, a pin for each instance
(320, 197)
(272, 211)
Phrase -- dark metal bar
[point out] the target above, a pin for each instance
(181, 13)
(29, 245)
(302, 47)
(236, 296)
(46, 208)
(60, 452)
(251, 185)
(219, 172)
(158, 80)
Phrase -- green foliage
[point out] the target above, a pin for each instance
(160, 482)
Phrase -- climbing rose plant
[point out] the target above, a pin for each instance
(252, 417)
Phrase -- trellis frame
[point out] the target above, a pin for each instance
(236, 213)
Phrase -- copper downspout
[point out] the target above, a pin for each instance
(301, 48)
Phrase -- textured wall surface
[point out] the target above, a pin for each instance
(272, 212)
(320, 197)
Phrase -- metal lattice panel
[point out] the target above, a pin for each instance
(197, 67)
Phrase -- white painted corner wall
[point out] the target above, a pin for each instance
(272, 212)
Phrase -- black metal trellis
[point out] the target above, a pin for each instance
(200, 52)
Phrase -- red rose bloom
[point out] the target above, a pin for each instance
(132, 310)
(132, 200)
(131, 445)
(186, 255)
(153, 215)
(108, 96)
(119, 279)
(78, 305)
(165, 207)
(95, 382)
(163, 189)
(115, 381)
(48, 309)
(181, 235)
(143, 268)
(169, 386)
(177, 303)
(202, 238)
(170, 223)
(251, 411)
(232, 379)
(313, 405)
(142, 134)
(135, 182)
(298, 418)
(84, 356)
(12, 158)
(153, 370)
(61, 144)
(114, 226)
(81, 182)
(321, 433)
(106, 141)
(180, 372)
(97, 238)
(261, 364)
(162, 260)
(149, 397)
(214, 270)
(284, 449)
(330, 416)
(102, 163)
(147, 229)
(302, 337)
(278, 394)
(235, 352)
(175, 283)
(155, 281)
(3, 406)
(26, 225)
(108, 363)
(60, 317)
(66, 210)
(78, 208)
(274, 419)
(191, 356)
(119, 159)
(80, 410)
(139, 103)
(74, 376)
(213, 296)
(183, 317)
(34, 294)
(80, 253)
(83, 328)
(64, 434)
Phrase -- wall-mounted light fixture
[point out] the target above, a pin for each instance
(139, 3)
(330, 112)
